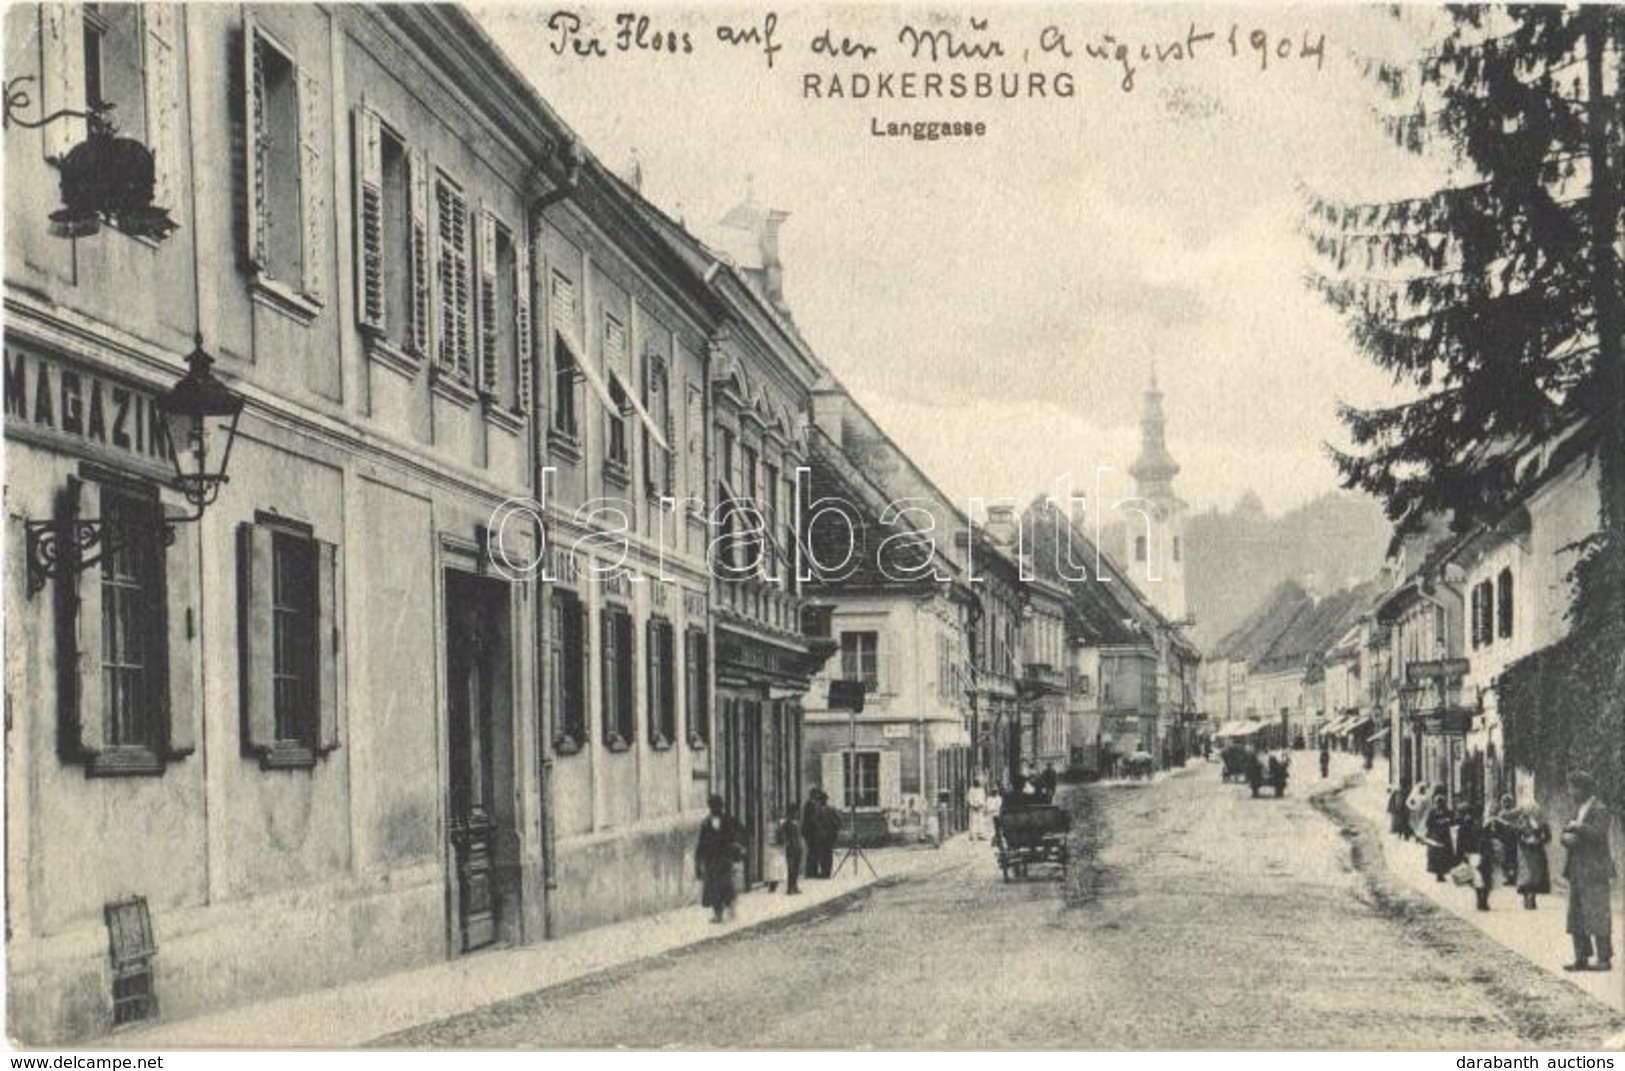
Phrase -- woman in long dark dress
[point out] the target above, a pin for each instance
(719, 847)
(1399, 821)
(1534, 877)
(1441, 848)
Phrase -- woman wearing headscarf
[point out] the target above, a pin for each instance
(714, 857)
(1437, 836)
(1534, 876)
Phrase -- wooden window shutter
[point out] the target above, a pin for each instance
(418, 186)
(369, 224)
(256, 221)
(312, 187)
(651, 688)
(254, 543)
(485, 300)
(161, 40)
(79, 637)
(62, 75)
(891, 780)
(329, 646)
(525, 356)
(564, 305)
(452, 233)
(185, 663)
(832, 777)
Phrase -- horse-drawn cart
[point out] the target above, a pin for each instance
(1031, 835)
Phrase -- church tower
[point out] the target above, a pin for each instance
(1156, 559)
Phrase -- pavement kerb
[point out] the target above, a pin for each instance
(307, 1020)
(1368, 850)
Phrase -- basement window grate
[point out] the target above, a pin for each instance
(131, 948)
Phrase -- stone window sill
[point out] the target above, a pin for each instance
(499, 416)
(390, 355)
(563, 445)
(124, 762)
(452, 387)
(283, 299)
(287, 756)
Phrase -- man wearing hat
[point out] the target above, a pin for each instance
(1589, 870)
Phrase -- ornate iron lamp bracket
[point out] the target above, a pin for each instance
(60, 548)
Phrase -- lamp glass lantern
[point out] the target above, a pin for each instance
(200, 416)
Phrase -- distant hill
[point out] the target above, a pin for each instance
(1235, 558)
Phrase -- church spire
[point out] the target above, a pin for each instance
(1155, 468)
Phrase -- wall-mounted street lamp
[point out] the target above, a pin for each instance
(104, 178)
(199, 418)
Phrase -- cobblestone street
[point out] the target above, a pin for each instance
(1194, 917)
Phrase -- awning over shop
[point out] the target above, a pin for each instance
(1239, 729)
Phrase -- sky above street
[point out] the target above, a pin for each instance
(998, 302)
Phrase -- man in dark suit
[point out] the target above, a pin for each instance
(1589, 870)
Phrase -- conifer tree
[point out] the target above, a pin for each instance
(1498, 300)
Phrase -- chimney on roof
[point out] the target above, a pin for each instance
(634, 172)
(1311, 586)
(1079, 513)
(755, 247)
(1001, 526)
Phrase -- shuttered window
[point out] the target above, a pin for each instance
(452, 281)
(562, 304)
(283, 108)
(620, 721)
(567, 672)
(389, 238)
(697, 687)
(662, 684)
(126, 55)
(288, 596)
(659, 466)
(615, 363)
(487, 300)
(127, 659)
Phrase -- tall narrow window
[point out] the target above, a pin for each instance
(452, 278)
(562, 301)
(113, 65)
(860, 658)
(662, 687)
(697, 687)
(290, 633)
(293, 619)
(694, 429)
(615, 364)
(567, 672)
(496, 301)
(385, 235)
(659, 466)
(132, 654)
(287, 184)
(276, 88)
(620, 723)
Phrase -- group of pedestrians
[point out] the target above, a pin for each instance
(1510, 842)
(1025, 791)
(803, 842)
